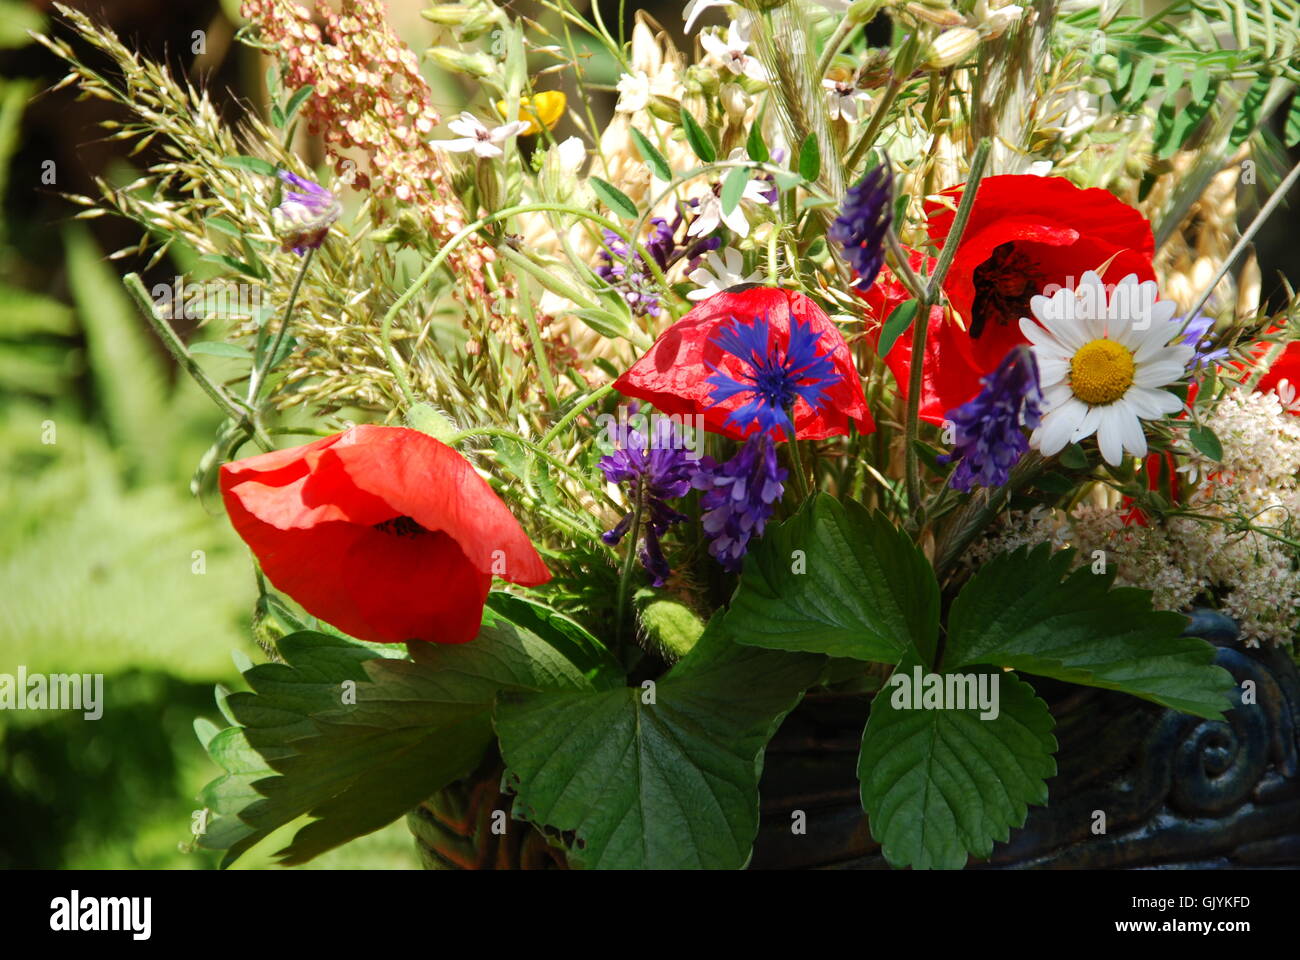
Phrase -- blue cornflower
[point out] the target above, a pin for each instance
(863, 223)
(775, 378)
(988, 440)
(305, 213)
(739, 497)
(656, 471)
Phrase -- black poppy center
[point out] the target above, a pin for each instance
(401, 527)
(1004, 285)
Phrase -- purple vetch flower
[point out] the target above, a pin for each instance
(989, 439)
(305, 214)
(864, 220)
(739, 497)
(775, 378)
(1197, 336)
(627, 272)
(655, 472)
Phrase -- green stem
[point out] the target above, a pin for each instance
(873, 127)
(259, 374)
(796, 462)
(921, 324)
(236, 409)
(625, 576)
(539, 349)
(578, 408)
(458, 438)
(834, 44)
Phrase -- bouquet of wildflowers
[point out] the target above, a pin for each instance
(902, 349)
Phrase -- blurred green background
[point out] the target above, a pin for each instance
(107, 564)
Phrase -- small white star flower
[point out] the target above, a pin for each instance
(474, 136)
(721, 272)
(1102, 362)
(734, 52)
(842, 99)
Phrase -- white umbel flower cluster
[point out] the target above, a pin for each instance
(1185, 561)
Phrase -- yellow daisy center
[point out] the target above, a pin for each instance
(1101, 372)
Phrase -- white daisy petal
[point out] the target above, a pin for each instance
(1130, 431)
(1110, 438)
(1058, 426)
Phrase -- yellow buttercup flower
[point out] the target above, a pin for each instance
(541, 110)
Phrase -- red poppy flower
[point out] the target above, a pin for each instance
(383, 532)
(682, 371)
(1025, 234)
(940, 383)
(1285, 367)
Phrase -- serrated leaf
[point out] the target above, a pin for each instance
(697, 139)
(652, 157)
(898, 323)
(754, 145)
(355, 764)
(1206, 442)
(614, 198)
(837, 580)
(810, 158)
(668, 784)
(941, 784)
(1026, 610)
(733, 188)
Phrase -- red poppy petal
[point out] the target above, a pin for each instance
(372, 585)
(431, 483)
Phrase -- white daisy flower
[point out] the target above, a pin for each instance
(722, 272)
(734, 52)
(709, 214)
(1101, 362)
(477, 137)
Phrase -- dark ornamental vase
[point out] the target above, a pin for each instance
(1174, 790)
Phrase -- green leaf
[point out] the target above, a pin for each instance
(1074, 458)
(661, 778)
(1200, 83)
(253, 164)
(837, 580)
(941, 784)
(652, 157)
(1248, 116)
(1143, 71)
(356, 764)
(810, 158)
(296, 101)
(130, 377)
(698, 140)
(1291, 134)
(614, 198)
(1205, 441)
(754, 145)
(733, 188)
(1027, 611)
(217, 348)
(898, 323)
